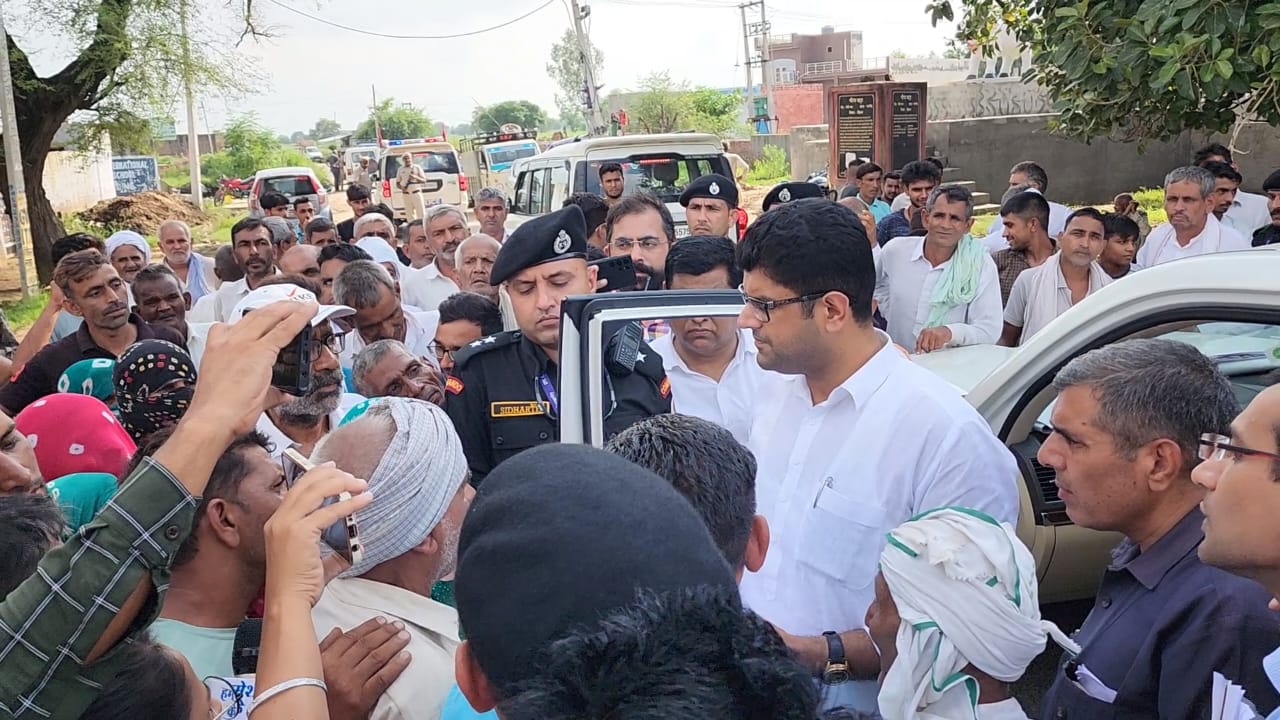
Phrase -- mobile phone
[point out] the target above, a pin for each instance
(619, 271)
(344, 535)
(291, 372)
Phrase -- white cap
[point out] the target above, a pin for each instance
(380, 250)
(268, 294)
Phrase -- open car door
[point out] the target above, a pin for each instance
(583, 337)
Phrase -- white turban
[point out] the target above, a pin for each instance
(128, 237)
(965, 588)
(420, 472)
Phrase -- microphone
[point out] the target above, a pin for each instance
(244, 653)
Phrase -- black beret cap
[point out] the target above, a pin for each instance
(788, 191)
(716, 187)
(559, 235)
(560, 535)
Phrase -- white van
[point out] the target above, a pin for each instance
(351, 158)
(446, 183)
(659, 164)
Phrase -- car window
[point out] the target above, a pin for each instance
(539, 190)
(432, 161)
(663, 174)
(500, 158)
(289, 186)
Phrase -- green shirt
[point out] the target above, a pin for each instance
(44, 632)
(207, 649)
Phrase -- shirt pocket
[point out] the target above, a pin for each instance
(841, 537)
(516, 434)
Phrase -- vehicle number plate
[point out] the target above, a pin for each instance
(682, 231)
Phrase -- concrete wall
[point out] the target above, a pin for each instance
(758, 143)
(984, 149)
(77, 182)
(1256, 154)
(810, 150)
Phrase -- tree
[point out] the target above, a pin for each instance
(297, 136)
(131, 63)
(1139, 70)
(325, 128)
(663, 105)
(398, 120)
(565, 68)
(462, 129)
(521, 112)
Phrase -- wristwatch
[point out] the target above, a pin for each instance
(837, 669)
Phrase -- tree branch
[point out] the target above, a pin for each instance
(106, 52)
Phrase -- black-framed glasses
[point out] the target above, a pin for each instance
(1215, 447)
(441, 351)
(762, 308)
(334, 342)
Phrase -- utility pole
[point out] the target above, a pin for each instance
(765, 68)
(758, 30)
(595, 114)
(19, 222)
(746, 64)
(193, 136)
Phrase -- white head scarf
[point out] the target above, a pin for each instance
(420, 472)
(965, 588)
(128, 237)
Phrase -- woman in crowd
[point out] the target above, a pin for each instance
(75, 434)
(154, 381)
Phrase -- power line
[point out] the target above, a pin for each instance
(409, 37)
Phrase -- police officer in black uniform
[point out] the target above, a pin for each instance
(505, 394)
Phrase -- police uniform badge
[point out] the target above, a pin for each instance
(714, 189)
(785, 195)
(562, 243)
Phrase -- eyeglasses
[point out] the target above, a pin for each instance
(761, 308)
(441, 351)
(647, 243)
(334, 342)
(1216, 447)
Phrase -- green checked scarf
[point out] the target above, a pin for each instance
(959, 283)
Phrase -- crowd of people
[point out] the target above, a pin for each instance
(318, 474)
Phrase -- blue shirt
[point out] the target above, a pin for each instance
(1162, 625)
(895, 224)
(456, 707)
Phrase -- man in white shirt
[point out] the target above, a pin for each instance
(446, 228)
(711, 363)
(1192, 229)
(1044, 292)
(256, 256)
(417, 474)
(301, 422)
(1226, 185)
(367, 288)
(1030, 174)
(194, 271)
(1248, 211)
(858, 440)
(940, 290)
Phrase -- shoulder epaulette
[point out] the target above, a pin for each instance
(486, 344)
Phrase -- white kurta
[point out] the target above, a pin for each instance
(1162, 244)
(904, 284)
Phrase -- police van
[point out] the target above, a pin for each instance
(446, 183)
(489, 159)
(659, 164)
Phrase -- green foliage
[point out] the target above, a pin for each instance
(249, 148)
(770, 168)
(663, 105)
(465, 128)
(1141, 70)
(398, 120)
(324, 128)
(521, 112)
(565, 67)
(22, 314)
(1152, 200)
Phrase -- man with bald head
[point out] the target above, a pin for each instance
(301, 260)
(193, 270)
(474, 261)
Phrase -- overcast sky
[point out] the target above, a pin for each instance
(317, 70)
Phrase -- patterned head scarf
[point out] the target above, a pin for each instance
(74, 433)
(140, 374)
(90, 377)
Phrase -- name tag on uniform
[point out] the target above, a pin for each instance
(518, 409)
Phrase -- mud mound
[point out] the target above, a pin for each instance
(143, 212)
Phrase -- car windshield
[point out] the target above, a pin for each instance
(500, 158)
(432, 161)
(663, 174)
(289, 186)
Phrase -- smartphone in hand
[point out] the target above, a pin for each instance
(344, 535)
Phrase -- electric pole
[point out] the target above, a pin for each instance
(595, 114)
(193, 137)
(765, 56)
(759, 30)
(19, 224)
(746, 63)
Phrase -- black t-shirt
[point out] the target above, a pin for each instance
(347, 230)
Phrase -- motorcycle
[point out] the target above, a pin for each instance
(232, 187)
(819, 178)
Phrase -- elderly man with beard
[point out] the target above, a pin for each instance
(446, 228)
(417, 474)
(386, 368)
(301, 422)
(1045, 291)
(475, 260)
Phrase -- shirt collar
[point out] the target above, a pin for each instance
(1150, 567)
(86, 343)
(409, 606)
(745, 351)
(866, 380)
